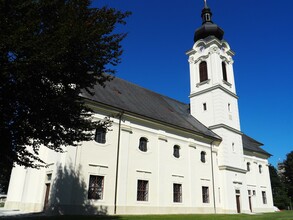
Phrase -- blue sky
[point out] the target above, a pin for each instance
(260, 32)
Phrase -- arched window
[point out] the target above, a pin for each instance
(203, 71)
(100, 135)
(224, 70)
(143, 144)
(176, 151)
(260, 168)
(248, 166)
(203, 156)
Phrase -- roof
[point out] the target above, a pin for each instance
(132, 98)
(252, 145)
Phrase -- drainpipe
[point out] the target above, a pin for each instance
(117, 163)
(213, 178)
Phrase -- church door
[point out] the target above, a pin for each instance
(250, 206)
(47, 196)
(238, 203)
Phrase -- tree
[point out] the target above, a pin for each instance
(288, 174)
(50, 50)
(280, 197)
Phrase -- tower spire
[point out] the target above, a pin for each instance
(208, 28)
(205, 4)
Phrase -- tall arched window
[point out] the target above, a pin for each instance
(203, 156)
(143, 144)
(100, 135)
(176, 151)
(203, 71)
(224, 70)
(248, 166)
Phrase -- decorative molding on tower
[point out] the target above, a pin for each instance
(214, 88)
(226, 127)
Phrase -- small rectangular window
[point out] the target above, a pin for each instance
(142, 190)
(253, 192)
(204, 105)
(205, 194)
(96, 187)
(49, 177)
(264, 197)
(177, 192)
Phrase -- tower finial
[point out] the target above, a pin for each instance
(208, 28)
(205, 4)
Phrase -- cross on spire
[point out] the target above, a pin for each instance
(205, 4)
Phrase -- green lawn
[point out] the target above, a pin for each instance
(286, 215)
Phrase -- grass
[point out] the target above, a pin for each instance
(285, 215)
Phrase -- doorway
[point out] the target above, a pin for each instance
(238, 203)
(46, 202)
(237, 192)
(250, 206)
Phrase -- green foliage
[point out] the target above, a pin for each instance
(4, 178)
(288, 174)
(280, 197)
(50, 51)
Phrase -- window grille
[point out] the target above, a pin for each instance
(96, 187)
(142, 190)
(177, 192)
(205, 194)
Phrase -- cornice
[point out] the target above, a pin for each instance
(234, 169)
(226, 127)
(207, 42)
(214, 88)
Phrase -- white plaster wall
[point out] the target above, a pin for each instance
(158, 166)
(259, 182)
(217, 112)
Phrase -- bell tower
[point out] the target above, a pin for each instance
(213, 98)
(214, 102)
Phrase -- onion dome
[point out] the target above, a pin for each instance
(208, 28)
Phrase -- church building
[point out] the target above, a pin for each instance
(160, 156)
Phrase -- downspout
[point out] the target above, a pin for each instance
(117, 163)
(213, 178)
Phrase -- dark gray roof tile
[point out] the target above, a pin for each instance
(132, 98)
(252, 145)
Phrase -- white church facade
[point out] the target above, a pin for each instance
(160, 155)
